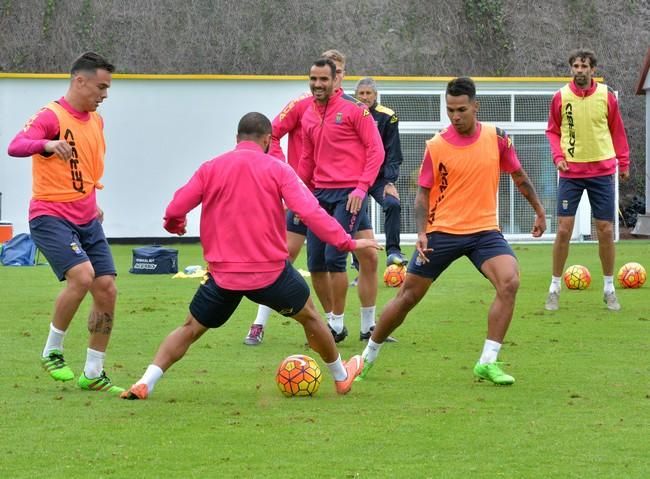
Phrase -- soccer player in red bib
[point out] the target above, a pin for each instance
(456, 215)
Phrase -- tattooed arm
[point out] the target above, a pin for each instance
(421, 220)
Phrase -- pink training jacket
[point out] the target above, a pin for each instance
(289, 122)
(342, 147)
(31, 140)
(243, 225)
(616, 129)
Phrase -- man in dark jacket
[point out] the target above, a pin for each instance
(384, 190)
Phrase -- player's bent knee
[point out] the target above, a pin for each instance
(563, 235)
(605, 229)
(336, 263)
(193, 330)
(512, 285)
(81, 276)
(508, 286)
(564, 229)
(307, 312)
(104, 288)
(407, 299)
(392, 203)
(367, 258)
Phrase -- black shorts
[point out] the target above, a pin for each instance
(295, 224)
(65, 244)
(213, 305)
(447, 248)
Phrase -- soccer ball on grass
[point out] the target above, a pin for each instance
(394, 275)
(577, 277)
(298, 375)
(631, 275)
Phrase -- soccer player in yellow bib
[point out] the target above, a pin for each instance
(587, 138)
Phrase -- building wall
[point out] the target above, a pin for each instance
(159, 129)
(157, 133)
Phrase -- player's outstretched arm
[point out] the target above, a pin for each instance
(363, 243)
(527, 190)
(185, 200)
(177, 226)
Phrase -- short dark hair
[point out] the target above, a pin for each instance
(254, 125)
(583, 54)
(462, 86)
(91, 62)
(326, 62)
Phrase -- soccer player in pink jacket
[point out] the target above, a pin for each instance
(289, 122)
(232, 188)
(341, 156)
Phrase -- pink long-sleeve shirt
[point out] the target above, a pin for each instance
(243, 226)
(616, 129)
(31, 140)
(342, 147)
(289, 122)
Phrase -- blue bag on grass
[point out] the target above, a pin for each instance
(154, 259)
(19, 251)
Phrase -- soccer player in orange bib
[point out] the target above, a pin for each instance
(456, 215)
(66, 142)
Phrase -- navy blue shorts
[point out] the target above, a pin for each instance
(65, 244)
(600, 191)
(364, 220)
(447, 248)
(213, 305)
(295, 224)
(322, 257)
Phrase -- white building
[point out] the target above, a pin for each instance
(160, 128)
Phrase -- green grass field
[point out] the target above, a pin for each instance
(580, 407)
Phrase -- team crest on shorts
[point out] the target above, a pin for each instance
(565, 204)
(75, 248)
(419, 261)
